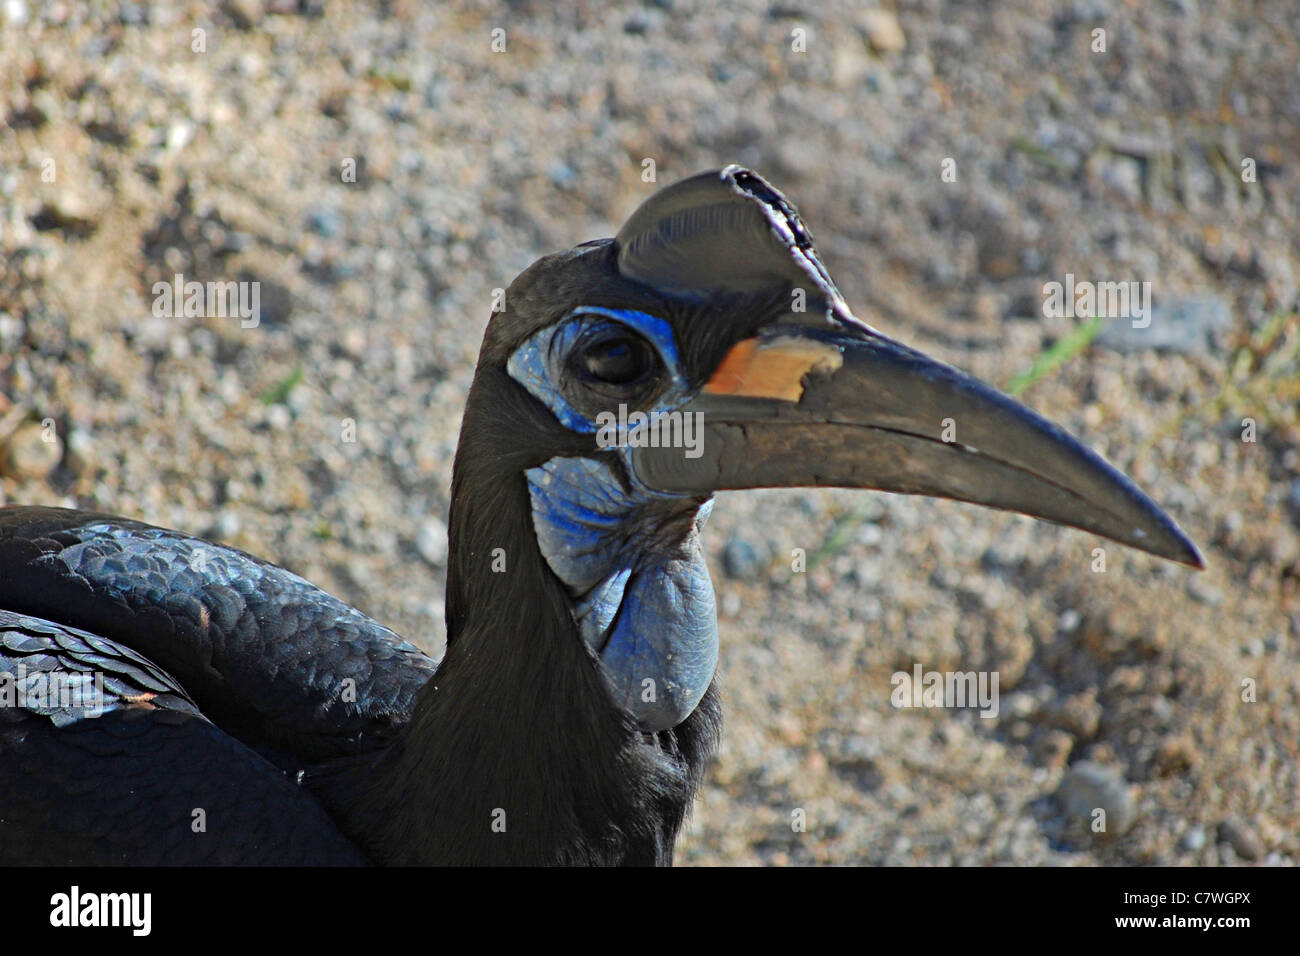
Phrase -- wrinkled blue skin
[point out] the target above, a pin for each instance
(641, 595)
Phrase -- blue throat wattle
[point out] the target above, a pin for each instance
(644, 606)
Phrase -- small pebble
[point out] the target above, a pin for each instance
(431, 541)
(1088, 786)
(33, 451)
(228, 525)
(730, 604)
(883, 31)
(740, 559)
(81, 452)
(1241, 838)
(1193, 840)
(325, 222)
(278, 417)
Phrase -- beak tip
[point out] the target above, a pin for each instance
(1160, 535)
(1194, 557)
(1178, 548)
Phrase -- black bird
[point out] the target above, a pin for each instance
(172, 701)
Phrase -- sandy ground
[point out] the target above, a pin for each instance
(133, 148)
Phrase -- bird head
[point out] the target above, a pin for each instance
(705, 347)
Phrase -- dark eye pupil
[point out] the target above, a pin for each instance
(616, 361)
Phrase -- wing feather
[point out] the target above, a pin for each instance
(105, 759)
(273, 660)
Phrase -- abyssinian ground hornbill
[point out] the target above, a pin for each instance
(230, 712)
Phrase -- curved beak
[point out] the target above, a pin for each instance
(847, 407)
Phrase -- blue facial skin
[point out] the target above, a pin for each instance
(642, 598)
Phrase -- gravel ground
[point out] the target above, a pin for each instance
(127, 155)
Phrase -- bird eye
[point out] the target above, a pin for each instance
(618, 359)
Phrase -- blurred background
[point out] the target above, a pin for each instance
(141, 140)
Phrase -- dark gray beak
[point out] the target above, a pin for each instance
(801, 405)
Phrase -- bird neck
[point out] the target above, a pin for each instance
(515, 752)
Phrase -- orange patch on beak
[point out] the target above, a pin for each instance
(772, 369)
